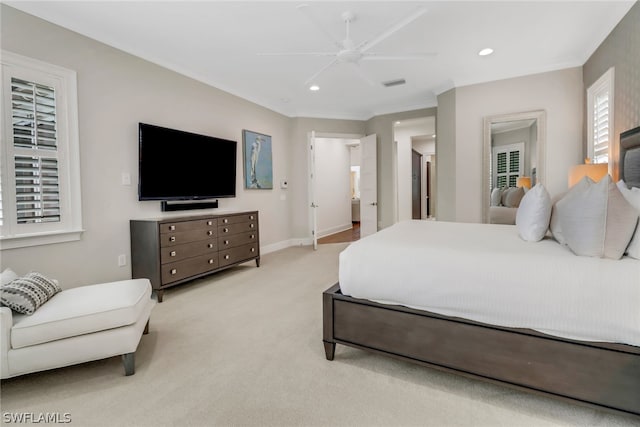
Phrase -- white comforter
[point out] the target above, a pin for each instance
(488, 274)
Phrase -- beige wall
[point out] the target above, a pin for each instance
(115, 92)
(446, 153)
(559, 93)
(620, 50)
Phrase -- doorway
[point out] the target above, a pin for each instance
(335, 164)
(414, 152)
(416, 185)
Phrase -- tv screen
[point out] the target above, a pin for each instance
(177, 165)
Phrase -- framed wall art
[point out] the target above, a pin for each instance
(258, 168)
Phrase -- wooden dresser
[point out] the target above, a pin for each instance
(170, 251)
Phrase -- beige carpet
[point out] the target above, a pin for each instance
(243, 347)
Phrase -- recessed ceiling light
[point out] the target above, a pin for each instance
(398, 123)
(433, 136)
(485, 52)
(314, 88)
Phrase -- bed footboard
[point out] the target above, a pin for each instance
(600, 375)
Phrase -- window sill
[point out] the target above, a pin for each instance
(39, 239)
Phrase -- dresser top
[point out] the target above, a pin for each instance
(195, 217)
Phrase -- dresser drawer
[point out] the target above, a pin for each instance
(188, 250)
(233, 240)
(180, 237)
(172, 227)
(233, 255)
(240, 227)
(189, 267)
(225, 220)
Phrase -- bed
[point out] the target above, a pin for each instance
(595, 364)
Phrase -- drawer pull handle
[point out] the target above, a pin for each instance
(172, 253)
(252, 225)
(172, 227)
(225, 230)
(210, 245)
(226, 242)
(226, 257)
(253, 249)
(209, 223)
(250, 216)
(209, 233)
(174, 271)
(172, 238)
(253, 236)
(225, 220)
(210, 261)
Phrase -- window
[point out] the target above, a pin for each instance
(507, 161)
(39, 168)
(600, 118)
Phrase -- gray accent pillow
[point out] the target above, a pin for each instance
(26, 294)
(633, 197)
(596, 220)
(514, 196)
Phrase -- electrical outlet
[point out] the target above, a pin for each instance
(122, 260)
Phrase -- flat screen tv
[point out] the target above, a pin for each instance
(177, 165)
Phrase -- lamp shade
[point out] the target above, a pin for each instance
(524, 181)
(595, 171)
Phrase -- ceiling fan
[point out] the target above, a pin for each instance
(351, 53)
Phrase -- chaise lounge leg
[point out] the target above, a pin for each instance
(146, 328)
(329, 349)
(129, 361)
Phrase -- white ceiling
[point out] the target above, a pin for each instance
(218, 43)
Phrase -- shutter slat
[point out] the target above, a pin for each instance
(37, 189)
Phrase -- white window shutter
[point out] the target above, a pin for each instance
(600, 117)
(35, 146)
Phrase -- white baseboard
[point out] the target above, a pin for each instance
(334, 230)
(284, 245)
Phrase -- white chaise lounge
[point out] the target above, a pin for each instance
(77, 325)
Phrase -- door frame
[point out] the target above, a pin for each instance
(312, 232)
(418, 180)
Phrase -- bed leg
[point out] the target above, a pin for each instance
(329, 349)
(129, 361)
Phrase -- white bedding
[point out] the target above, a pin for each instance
(486, 273)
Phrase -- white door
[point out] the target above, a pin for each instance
(368, 186)
(312, 190)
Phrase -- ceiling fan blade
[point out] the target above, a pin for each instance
(297, 54)
(322, 70)
(361, 73)
(409, 56)
(306, 10)
(366, 45)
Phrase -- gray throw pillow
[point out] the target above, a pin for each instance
(26, 294)
(596, 220)
(514, 196)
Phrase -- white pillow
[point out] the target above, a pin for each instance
(534, 213)
(7, 276)
(633, 197)
(596, 220)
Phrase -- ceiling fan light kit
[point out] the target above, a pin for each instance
(352, 54)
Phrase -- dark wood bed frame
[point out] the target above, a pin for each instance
(601, 375)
